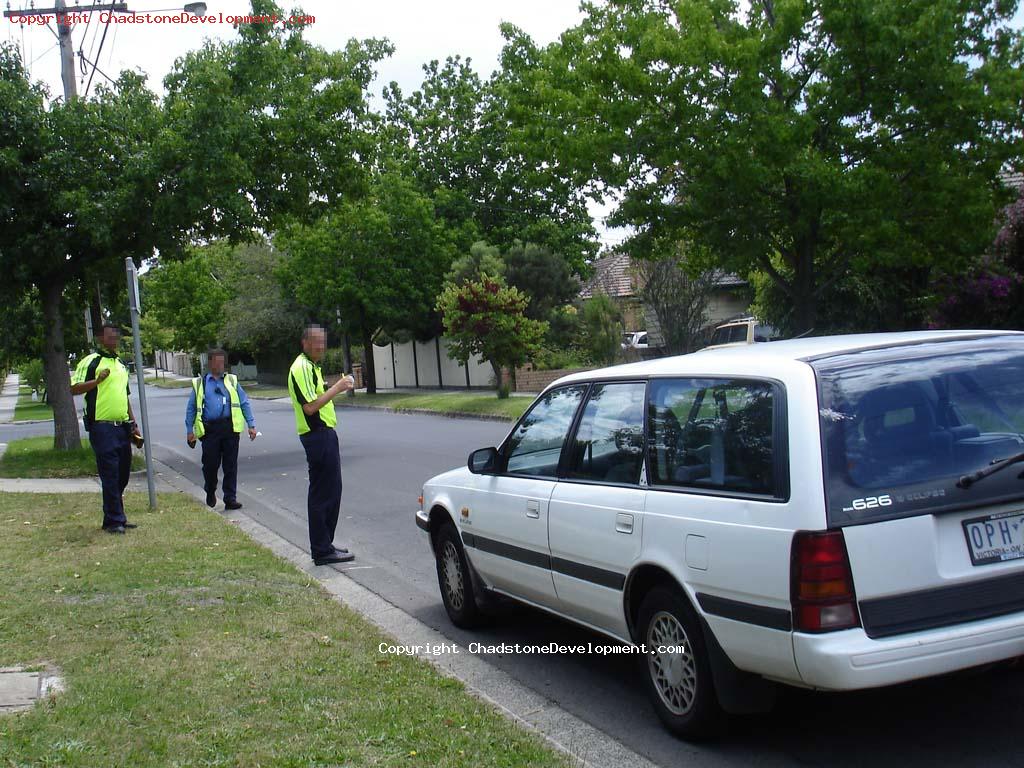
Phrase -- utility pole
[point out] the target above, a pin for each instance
(67, 49)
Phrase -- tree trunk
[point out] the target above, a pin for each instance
(498, 379)
(369, 373)
(66, 436)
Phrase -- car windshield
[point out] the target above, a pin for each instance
(901, 425)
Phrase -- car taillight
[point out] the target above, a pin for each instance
(822, 583)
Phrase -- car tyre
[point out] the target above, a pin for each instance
(675, 668)
(454, 579)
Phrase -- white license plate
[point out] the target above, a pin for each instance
(995, 538)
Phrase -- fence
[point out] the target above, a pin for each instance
(425, 364)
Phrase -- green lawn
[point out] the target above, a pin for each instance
(185, 644)
(169, 383)
(459, 403)
(35, 457)
(263, 391)
(26, 410)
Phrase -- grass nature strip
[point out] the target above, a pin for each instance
(28, 410)
(467, 404)
(35, 457)
(183, 643)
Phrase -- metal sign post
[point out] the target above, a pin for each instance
(135, 309)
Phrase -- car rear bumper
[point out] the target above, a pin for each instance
(850, 660)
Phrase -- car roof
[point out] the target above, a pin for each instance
(768, 356)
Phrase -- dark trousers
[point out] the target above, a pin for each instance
(323, 504)
(113, 452)
(220, 448)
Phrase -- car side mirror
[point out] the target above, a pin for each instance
(484, 461)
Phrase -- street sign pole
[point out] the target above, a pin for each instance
(134, 309)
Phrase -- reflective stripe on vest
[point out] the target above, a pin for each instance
(231, 385)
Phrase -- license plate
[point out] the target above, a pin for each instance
(995, 538)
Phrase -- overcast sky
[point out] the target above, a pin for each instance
(420, 31)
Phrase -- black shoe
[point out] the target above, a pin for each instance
(211, 499)
(232, 505)
(334, 557)
(342, 550)
(130, 526)
(114, 528)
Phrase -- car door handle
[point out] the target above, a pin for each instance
(532, 508)
(624, 523)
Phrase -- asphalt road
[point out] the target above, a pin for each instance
(971, 719)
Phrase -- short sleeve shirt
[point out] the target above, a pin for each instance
(109, 401)
(306, 384)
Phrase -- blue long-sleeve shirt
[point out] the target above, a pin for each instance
(216, 403)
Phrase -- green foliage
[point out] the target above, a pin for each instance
(378, 259)
(602, 329)
(259, 318)
(265, 129)
(551, 359)
(542, 275)
(188, 297)
(32, 372)
(679, 296)
(454, 137)
(481, 260)
(153, 335)
(489, 319)
(842, 137)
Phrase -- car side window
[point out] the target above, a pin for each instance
(714, 434)
(536, 445)
(609, 444)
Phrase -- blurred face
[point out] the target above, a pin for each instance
(110, 339)
(216, 363)
(314, 344)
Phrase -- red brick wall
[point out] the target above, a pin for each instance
(529, 380)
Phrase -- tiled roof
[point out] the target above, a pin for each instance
(613, 276)
(1014, 179)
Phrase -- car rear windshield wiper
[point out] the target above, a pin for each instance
(966, 481)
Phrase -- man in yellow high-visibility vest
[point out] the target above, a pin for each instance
(108, 418)
(217, 411)
(315, 421)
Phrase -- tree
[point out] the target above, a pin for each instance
(835, 136)
(188, 297)
(602, 329)
(488, 318)
(482, 260)
(541, 275)
(75, 182)
(265, 129)
(259, 318)
(453, 135)
(679, 299)
(379, 260)
(990, 295)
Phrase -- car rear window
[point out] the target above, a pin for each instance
(901, 425)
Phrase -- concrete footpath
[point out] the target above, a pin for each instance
(582, 742)
(9, 398)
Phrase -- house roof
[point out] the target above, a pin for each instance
(613, 276)
(1013, 179)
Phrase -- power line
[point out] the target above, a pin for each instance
(103, 39)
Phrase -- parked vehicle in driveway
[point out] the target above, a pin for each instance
(836, 513)
(635, 340)
(743, 330)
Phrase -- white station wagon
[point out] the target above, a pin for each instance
(833, 513)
